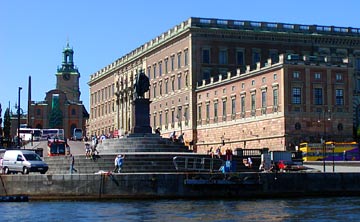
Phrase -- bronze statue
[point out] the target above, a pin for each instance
(141, 85)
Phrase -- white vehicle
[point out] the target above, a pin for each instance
(26, 134)
(23, 161)
(77, 134)
(52, 133)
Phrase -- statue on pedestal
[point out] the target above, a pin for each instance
(141, 85)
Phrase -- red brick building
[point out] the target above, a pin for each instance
(61, 107)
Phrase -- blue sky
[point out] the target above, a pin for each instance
(34, 33)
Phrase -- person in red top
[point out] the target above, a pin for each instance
(281, 165)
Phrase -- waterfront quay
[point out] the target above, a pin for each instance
(152, 174)
(179, 185)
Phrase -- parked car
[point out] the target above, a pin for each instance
(23, 161)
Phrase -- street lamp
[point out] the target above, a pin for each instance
(18, 115)
(323, 140)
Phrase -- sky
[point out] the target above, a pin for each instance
(34, 33)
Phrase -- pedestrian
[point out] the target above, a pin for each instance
(228, 153)
(250, 162)
(157, 131)
(120, 161)
(87, 151)
(172, 136)
(67, 149)
(72, 163)
(116, 164)
(181, 138)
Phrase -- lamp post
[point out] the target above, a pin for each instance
(18, 115)
(323, 140)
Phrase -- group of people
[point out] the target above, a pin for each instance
(174, 138)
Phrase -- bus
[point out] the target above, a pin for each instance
(56, 147)
(52, 133)
(26, 134)
(337, 151)
(77, 134)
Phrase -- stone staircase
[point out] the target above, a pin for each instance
(141, 162)
(143, 143)
(143, 153)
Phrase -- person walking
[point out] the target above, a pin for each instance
(120, 161)
(72, 163)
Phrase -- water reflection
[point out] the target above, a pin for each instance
(309, 209)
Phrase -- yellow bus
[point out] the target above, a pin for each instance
(338, 151)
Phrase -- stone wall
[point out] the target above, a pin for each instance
(174, 185)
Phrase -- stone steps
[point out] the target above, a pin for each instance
(133, 162)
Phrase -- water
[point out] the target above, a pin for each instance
(306, 209)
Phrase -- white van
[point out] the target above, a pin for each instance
(23, 161)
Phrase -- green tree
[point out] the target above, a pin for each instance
(1, 131)
(7, 123)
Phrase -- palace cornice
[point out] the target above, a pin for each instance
(331, 35)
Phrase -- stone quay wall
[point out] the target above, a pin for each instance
(179, 185)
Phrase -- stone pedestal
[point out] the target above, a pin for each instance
(141, 116)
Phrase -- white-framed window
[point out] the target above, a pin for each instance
(317, 75)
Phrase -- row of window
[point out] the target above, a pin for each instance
(103, 94)
(103, 109)
(178, 115)
(296, 75)
(163, 67)
(318, 96)
(242, 105)
(161, 87)
(223, 54)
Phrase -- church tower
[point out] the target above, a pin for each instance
(67, 76)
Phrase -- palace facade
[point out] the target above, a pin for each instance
(238, 83)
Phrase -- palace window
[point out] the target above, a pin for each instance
(207, 111)
(253, 104)
(154, 71)
(206, 56)
(240, 57)
(339, 77)
(160, 68)
(318, 96)
(296, 75)
(166, 65)
(339, 97)
(179, 82)
(242, 104)
(224, 108)
(233, 106)
(263, 99)
(179, 60)
(186, 55)
(275, 98)
(223, 57)
(172, 63)
(296, 95)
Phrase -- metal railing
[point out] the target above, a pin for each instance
(188, 163)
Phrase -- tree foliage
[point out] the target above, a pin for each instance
(7, 123)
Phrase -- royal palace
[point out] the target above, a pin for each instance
(237, 84)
